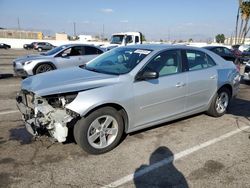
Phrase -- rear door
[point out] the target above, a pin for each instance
(201, 80)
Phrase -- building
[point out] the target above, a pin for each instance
(20, 34)
(61, 36)
(85, 37)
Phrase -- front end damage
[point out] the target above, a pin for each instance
(46, 115)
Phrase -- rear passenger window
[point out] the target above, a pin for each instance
(210, 61)
(198, 60)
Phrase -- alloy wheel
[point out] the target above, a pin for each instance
(222, 102)
(102, 132)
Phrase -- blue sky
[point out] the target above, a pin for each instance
(158, 19)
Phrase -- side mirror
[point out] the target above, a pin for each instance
(64, 55)
(147, 75)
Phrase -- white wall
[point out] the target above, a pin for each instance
(18, 43)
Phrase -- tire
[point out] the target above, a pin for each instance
(92, 136)
(39, 49)
(45, 67)
(220, 102)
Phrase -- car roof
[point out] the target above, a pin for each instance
(91, 45)
(210, 47)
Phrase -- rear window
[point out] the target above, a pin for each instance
(198, 60)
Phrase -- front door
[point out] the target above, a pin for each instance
(164, 97)
(70, 57)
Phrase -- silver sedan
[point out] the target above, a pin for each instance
(125, 90)
(61, 57)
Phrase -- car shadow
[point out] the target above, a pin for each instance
(4, 76)
(160, 172)
(239, 107)
(244, 82)
(164, 124)
(20, 134)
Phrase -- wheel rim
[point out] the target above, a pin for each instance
(102, 132)
(44, 68)
(222, 102)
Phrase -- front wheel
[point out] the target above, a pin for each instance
(220, 103)
(100, 131)
(43, 68)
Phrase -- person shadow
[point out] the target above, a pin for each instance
(160, 173)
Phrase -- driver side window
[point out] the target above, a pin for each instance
(66, 52)
(73, 51)
(165, 63)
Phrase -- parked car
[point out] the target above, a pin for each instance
(243, 47)
(29, 46)
(224, 52)
(236, 51)
(246, 75)
(235, 47)
(245, 55)
(43, 46)
(57, 58)
(5, 46)
(124, 90)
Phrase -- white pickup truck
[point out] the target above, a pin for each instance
(123, 39)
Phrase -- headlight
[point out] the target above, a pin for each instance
(59, 101)
(30, 100)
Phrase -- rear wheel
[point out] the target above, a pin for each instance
(43, 68)
(100, 131)
(40, 49)
(220, 103)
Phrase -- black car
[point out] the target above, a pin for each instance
(236, 46)
(5, 46)
(29, 46)
(224, 52)
(246, 55)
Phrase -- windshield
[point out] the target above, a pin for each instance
(117, 61)
(54, 50)
(116, 39)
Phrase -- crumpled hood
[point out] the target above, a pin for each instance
(31, 57)
(67, 80)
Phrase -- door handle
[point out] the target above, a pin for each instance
(180, 84)
(213, 77)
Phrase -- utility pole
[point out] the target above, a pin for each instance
(103, 32)
(168, 35)
(74, 23)
(18, 24)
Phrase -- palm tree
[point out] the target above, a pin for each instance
(237, 21)
(244, 14)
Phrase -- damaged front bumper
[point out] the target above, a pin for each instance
(41, 118)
